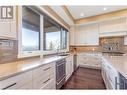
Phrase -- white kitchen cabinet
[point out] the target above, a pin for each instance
(17, 82)
(80, 37)
(114, 27)
(8, 27)
(87, 35)
(44, 77)
(109, 75)
(72, 36)
(69, 66)
(29, 85)
(104, 75)
(50, 84)
(90, 60)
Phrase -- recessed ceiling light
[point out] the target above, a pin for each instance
(104, 9)
(82, 14)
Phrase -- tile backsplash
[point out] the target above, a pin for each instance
(8, 50)
(111, 44)
(114, 44)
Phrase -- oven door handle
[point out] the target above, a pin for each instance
(60, 64)
(61, 80)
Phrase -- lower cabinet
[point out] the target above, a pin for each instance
(18, 82)
(69, 66)
(29, 85)
(89, 60)
(39, 78)
(50, 84)
(109, 75)
(44, 77)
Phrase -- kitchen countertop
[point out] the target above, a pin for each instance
(119, 63)
(13, 68)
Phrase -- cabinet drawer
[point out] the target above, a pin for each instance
(49, 85)
(42, 80)
(27, 86)
(16, 81)
(46, 69)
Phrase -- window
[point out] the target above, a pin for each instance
(51, 36)
(55, 37)
(30, 30)
(63, 39)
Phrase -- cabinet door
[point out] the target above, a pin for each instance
(89, 60)
(5, 28)
(87, 35)
(8, 27)
(72, 64)
(72, 35)
(114, 25)
(92, 35)
(80, 35)
(69, 67)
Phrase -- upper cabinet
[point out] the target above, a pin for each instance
(8, 22)
(72, 36)
(114, 27)
(87, 35)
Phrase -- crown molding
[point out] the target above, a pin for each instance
(55, 16)
(120, 13)
(68, 13)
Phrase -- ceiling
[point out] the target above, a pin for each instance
(72, 14)
(87, 11)
(59, 10)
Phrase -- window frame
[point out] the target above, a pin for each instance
(21, 53)
(61, 49)
(66, 34)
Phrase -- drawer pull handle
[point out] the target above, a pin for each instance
(47, 68)
(61, 80)
(60, 64)
(46, 81)
(9, 86)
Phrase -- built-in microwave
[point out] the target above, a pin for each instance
(8, 50)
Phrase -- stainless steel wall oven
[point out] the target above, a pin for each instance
(60, 73)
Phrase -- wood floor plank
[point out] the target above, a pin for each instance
(85, 78)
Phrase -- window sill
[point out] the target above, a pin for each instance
(54, 52)
(30, 54)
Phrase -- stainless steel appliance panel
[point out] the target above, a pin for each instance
(60, 73)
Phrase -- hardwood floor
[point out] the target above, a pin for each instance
(85, 78)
